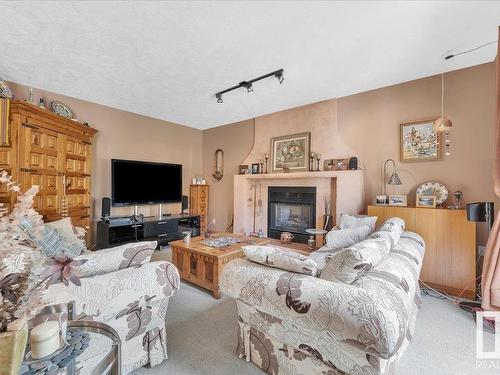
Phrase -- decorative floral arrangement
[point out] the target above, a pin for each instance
(23, 268)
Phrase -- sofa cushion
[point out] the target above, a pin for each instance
(353, 221)
(340, 238)
(51, 242)
(281, 258)
(66, 229)
(349, 264)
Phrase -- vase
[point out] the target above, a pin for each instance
(12, 347)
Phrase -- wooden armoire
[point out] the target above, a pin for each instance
(55, 153)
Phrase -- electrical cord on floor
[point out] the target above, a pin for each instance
(435, 293)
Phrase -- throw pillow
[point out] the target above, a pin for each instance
(280, 258)
(349, 264)
(115, 258)
(51, 243)
(341, 238)
(353, 221)
(66, 230)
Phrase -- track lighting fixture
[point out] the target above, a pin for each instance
(279, 76)
(249, 84)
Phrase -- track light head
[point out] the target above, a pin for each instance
(279, 76)
(219, 98)
(249, 87)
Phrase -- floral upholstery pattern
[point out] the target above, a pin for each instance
(132, 300)
(349, 264)
(292, 323)
(115, 258)
(340, 238)
(353, 221)
(277, 257)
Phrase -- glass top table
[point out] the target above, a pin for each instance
(104, 358)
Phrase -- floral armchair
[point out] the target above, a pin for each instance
(122, 288)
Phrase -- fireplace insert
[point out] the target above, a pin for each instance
(291, 209)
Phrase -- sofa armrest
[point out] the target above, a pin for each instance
(115, 258)
(368, 319)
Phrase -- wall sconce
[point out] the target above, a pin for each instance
(218, 165)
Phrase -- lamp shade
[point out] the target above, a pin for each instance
(394, 180)
(442, 124)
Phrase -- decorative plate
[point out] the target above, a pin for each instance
(5, 90)
(434, 188)
(61, 109)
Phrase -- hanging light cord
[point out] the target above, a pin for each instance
(471, 50)
(442, 94)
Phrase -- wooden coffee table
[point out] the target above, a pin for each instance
(201, 264)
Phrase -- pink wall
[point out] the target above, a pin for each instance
(125, 135)
(367, 125)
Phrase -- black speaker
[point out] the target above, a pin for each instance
(105, 208)
(353, 163)
(481, 212)
(185, 202)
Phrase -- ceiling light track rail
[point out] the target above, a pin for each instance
(249, 84)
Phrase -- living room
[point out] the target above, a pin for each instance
(249, 187)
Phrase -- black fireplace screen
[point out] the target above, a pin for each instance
(291, 217)
(291, 209)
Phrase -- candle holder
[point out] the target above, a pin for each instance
(318, 158)
(311, 161)
(266, 156)
(261, 166)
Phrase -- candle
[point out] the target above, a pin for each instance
(45, 339)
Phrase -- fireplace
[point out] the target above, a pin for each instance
(291, 209)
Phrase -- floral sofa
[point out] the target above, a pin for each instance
(122, 288)
(293, 323)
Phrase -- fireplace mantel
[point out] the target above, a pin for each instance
(294, 175)
(344, 189)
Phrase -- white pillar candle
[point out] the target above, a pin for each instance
(45, 339)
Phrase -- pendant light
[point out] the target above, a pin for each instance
(443, 124)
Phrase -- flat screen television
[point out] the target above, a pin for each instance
(141, 183)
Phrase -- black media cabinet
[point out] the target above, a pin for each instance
(118, 231)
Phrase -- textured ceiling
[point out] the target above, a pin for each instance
(167, 59)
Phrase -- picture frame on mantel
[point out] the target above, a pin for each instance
(290, 152)
(419, 141)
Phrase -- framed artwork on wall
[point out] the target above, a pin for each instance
(290, 152)
(419, 141)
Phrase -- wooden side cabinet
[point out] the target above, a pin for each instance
(450, 253)
(198, 204)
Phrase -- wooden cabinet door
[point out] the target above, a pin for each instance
(450, 256)
(39, 164)
(77, 166)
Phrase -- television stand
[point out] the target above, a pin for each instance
(118, 231)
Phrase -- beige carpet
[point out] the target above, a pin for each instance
(201, 333)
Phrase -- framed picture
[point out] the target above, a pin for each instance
(255, 168)
(419, 142)
(381, 200)
(426, 201)
(336, 164)
(397, 200)
(242, 169)
(290, 152)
